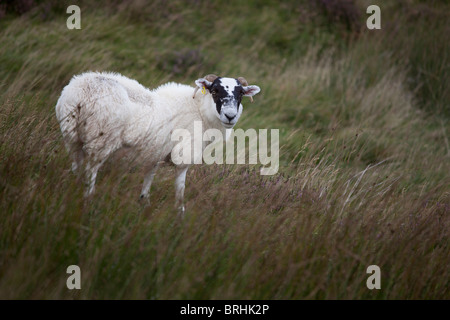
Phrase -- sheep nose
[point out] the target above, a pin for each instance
(230, 117)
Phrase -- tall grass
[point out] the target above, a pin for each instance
(363, 175)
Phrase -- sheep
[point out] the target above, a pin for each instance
(100, 113)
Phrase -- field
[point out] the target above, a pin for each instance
(364, 153)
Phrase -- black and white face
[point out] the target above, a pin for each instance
(227, 94)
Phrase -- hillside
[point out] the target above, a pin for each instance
(364, 153)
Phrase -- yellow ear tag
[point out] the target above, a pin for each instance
(203, 90)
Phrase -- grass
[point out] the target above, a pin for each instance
(364, 155)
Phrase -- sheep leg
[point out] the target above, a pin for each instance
(91, 175)
(180, 179)
(78, 158)
(145, 193)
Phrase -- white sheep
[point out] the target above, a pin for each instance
(100, 113)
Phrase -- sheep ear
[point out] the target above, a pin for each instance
(250, 91)
(202, 82)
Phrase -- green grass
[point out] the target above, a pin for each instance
(364, 156)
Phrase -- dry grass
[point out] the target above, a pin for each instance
(363, 169)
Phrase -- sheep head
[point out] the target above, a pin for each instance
(227, 94)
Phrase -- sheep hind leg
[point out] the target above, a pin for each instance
(96, 158)
(145, 193)
(78, 159)
(180, 180)
(91, 176)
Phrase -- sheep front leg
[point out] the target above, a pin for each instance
(180, 179)
(145, 193)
